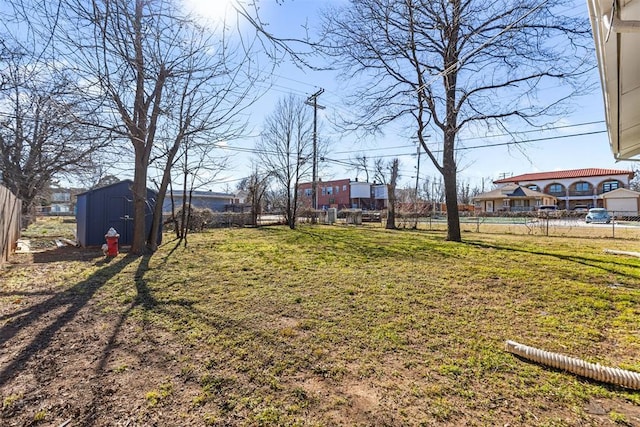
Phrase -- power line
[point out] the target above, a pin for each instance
(483, 137)
(498, 144)
(507, 143)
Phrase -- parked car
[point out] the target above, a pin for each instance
(598, 215)
(548, 211)
(581, 208)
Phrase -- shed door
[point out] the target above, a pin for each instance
(120, 217)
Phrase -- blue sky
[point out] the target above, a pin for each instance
(546, 151)
(579, 142)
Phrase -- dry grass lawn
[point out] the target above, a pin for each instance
(320, 326)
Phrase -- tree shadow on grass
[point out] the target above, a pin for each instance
(376, 244)
(178, 242)
(77, 297)
(604, 265)
(67, 253)
(143, 298)
(73, 299)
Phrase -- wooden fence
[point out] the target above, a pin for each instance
(10, 208)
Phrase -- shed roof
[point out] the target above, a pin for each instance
(124, 181)
(204, 194)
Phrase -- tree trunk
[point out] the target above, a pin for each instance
(391, 189)
(291, 215)
(183, 213)
(139, 190)
(156, 222)
(449, 173)
(294, 204)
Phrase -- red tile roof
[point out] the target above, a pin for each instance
(573, 173)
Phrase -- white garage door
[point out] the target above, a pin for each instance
(623, 206)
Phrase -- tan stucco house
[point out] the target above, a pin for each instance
(574, 187)
(512, 198)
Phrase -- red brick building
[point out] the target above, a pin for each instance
(330, 194)
(343, 194)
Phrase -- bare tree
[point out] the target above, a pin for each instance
(256, 186)
(635, 182)
(285, 150)
(361, 163)
(198, 168)
(433, 190)
(157, 78)
(42, 137)
(443, 66)
(106, 180)
(464, 192)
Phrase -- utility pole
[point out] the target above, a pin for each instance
(417, 175)
(313, 101)
(415, 200)
(433, 196)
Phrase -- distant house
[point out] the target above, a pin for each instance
(199, 199)
(575, 187)
(344, 194)
(360, 195)
(329, 194)
(380, 196)
(59, 201)
(512, 198)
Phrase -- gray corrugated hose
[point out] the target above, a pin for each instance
(594, 371)
(612, 251)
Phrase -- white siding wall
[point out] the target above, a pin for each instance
(360, 190)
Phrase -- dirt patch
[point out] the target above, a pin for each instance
(64, 361)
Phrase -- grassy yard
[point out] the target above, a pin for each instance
(338, 326)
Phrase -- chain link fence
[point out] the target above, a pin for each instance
(618, 224)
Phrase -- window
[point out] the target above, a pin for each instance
(533, 187)
(329, 190)
(610, 185)
(555, 188)
(307, 192)
(344, 188)
(337, 189)
(324, 191)
(60, 197)
(583, 186)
